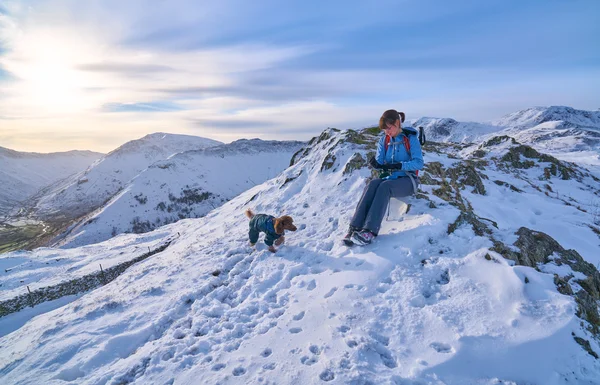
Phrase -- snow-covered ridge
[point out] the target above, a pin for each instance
(22, 174)
(567, 117)
(435, 300)
(186, 185)
(102, 180)
(564, 132)
(450, 130)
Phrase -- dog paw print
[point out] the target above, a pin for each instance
(327, 375)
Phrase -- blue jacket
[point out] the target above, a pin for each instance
(263, 223)
(396, 152)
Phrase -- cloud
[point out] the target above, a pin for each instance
(125, 68)
(279, 70)
(231, 124)
(141, 107)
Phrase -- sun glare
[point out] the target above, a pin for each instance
(51, 82)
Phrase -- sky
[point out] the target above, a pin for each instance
(94, 74)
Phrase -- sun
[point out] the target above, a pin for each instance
(46, 66)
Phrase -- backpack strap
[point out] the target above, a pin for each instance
(386, 143)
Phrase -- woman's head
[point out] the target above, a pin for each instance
(391, 121)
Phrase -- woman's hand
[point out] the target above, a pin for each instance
(374, 164)
(393, 166)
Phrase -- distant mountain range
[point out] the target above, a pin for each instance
(185, 185)
(22, 174)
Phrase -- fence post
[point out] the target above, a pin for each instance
(30, 297)
(103, 276)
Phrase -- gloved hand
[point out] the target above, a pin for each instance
(392, 166)
(374, 164)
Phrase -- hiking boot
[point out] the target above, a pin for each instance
(348, 238)
(363, 237)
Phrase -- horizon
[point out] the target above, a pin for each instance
(95, 75)
(316, 134)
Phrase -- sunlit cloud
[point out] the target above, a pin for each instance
(112, 71)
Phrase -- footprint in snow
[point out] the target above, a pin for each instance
(330, 292)
(327, 375)
(299, 316)
(239, 371)
(266, 353)
(218, 367)
(441, 347)
(444, 278)
(306, 360)
(295, 330)
(311, 285)
(314, 349)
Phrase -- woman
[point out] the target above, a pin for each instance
(399, 158)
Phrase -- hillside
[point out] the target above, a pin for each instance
(186, 185)
(483, 281)
(23, 173)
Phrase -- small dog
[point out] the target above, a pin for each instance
(274, 228)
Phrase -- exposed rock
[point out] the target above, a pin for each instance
(585, 344)
(496, 140)
(355, 163)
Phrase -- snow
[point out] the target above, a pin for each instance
(221, 172)
(419, 306)
(22, 174)
(88, 190)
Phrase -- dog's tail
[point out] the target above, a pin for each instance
(249, 213)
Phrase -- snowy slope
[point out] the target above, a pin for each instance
(428, 303)
(187, 185)
(22, 174)
(90, 189)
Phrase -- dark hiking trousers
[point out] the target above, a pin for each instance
(375, 199)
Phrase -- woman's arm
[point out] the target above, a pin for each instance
(416, 155)
(380, 154)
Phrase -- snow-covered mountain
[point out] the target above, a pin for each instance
(556, 130)
(22, 174)
(186, 185)
(450, 130)
(565, 132)
(488, 279)
(563, 117)
(93, 187)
